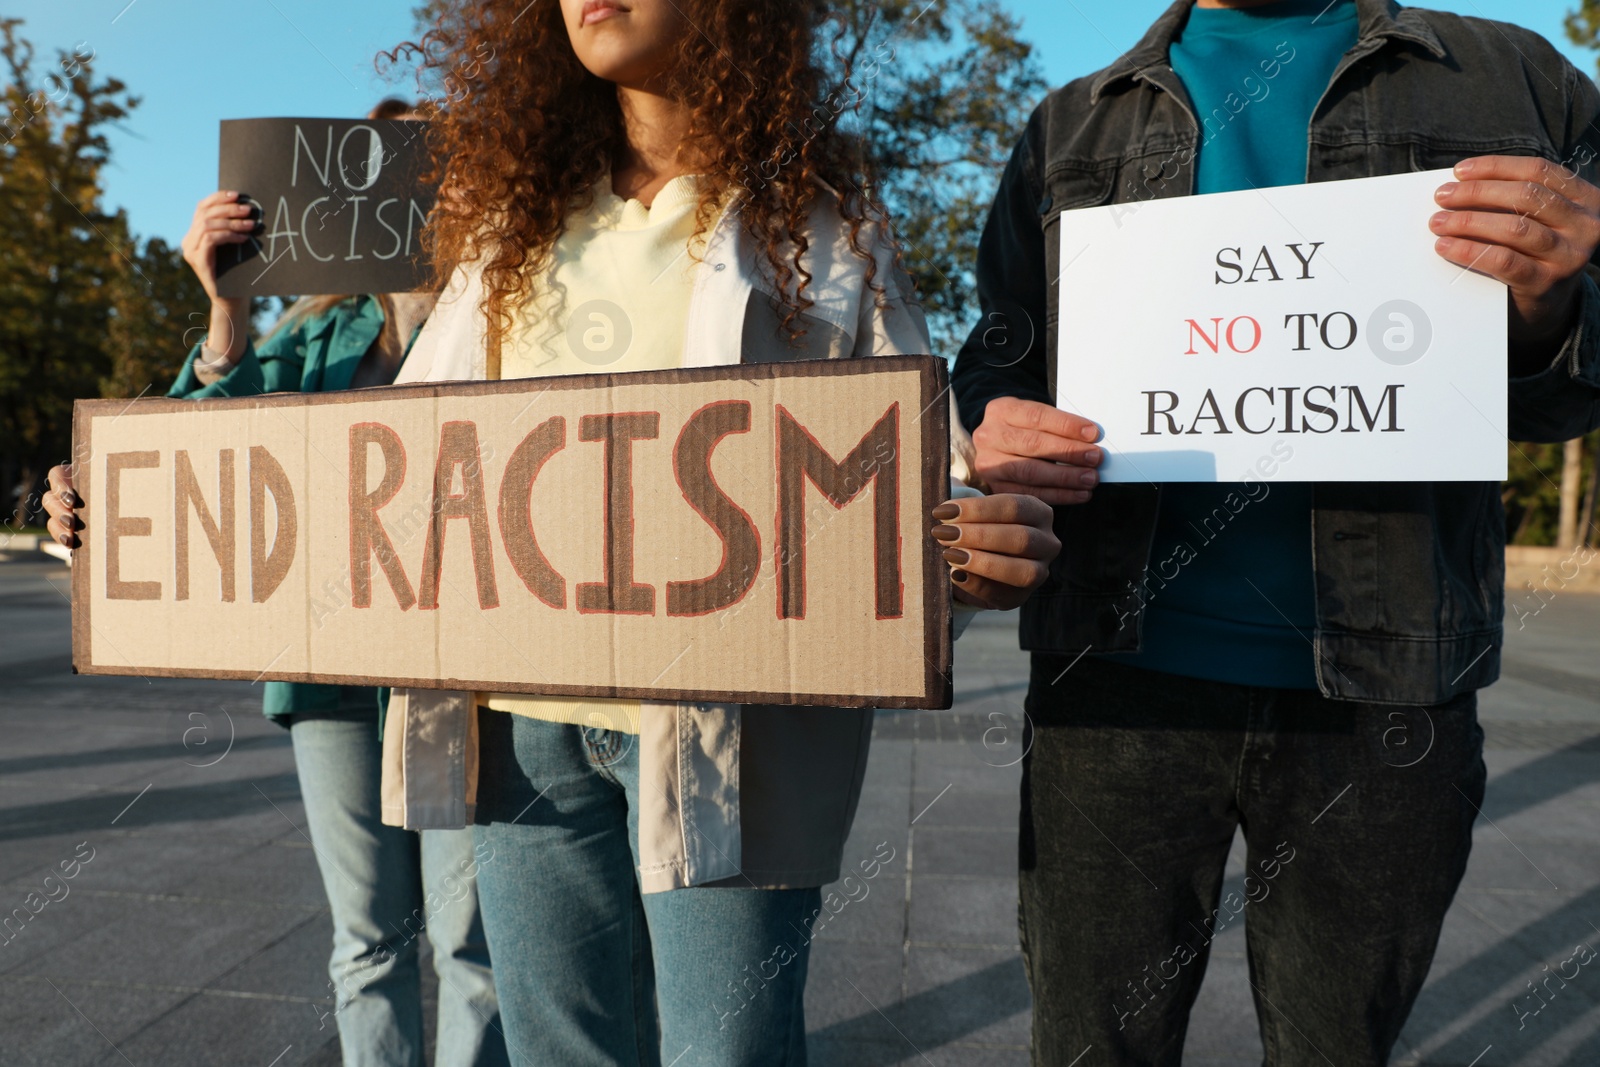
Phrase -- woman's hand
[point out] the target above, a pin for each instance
(61, 503)
(220, 219)
(1000, 546)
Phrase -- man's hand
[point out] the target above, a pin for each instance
(1529, 223)
(1028, 447)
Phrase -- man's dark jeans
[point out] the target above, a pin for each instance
(1358, 821)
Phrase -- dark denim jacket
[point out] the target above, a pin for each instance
(1409, 576)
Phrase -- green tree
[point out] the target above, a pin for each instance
(1534, 495)
(1583, 25)
(85, 310)
(951, 87)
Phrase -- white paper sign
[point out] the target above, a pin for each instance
(1205, 333)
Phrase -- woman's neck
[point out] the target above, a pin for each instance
(656, 126)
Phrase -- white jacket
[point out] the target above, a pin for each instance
(701, 820)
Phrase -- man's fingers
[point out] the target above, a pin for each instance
(1554, 176)
(1528, 199)
(1011, 468)
(1520, 233)
(1033, 415)
(1036, 444)
(1513, 268)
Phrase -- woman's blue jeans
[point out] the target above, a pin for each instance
(385, 887)
(591, 972)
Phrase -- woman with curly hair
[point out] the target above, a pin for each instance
(638, 185)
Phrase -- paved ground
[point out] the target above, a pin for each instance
(194, 932)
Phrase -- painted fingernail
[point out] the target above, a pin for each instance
(947, 533)
(71, 499)
(66, 540)
(957, 556)
(958, 576)
(947, 511)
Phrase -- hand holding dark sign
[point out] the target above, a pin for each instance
(338, 206)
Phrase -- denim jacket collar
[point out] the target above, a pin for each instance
(1380, 21)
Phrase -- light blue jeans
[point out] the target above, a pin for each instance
(385, 887)
(591, 972)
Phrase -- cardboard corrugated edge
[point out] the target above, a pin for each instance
(933, 375)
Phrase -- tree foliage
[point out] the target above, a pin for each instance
(85, 308)
(952, 83)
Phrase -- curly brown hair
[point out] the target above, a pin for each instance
(524, 132)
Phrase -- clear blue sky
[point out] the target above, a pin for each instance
(197, 61)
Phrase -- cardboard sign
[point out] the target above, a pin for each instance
(756, 533)
(1204, 333)
(341, 205)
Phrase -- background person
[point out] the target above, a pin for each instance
(384, 884)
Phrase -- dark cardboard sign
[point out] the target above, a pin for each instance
(757, 533)
(341, 201)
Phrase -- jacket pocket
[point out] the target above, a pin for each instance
(1431, 154)
(1069, 187)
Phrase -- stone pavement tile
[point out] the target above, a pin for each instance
(889, 763)
(1553, 794)
(984, 853)
(882, 805)
(59, 926)
(842, 979)
(294, 965)
(44, 1028)
(965, 767)
(1223, 1028)
(269, 873)
(24, 861)
(141, 863)
(1496, 1034)
(241, 809)
(167, 942)
(954, 999)
(877, 917)
(899, 1053)
(1471, 986)
(971, 912)
(207, 1030)
(1517, 864)
(1514, 699)
(970, 996)
(1546, 926)
(1529, 862)
(965, 808)
(128, 759)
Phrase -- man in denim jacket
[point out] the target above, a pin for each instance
(1311, 672)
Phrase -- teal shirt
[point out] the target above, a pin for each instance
(317, 354)
(1242, 605)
